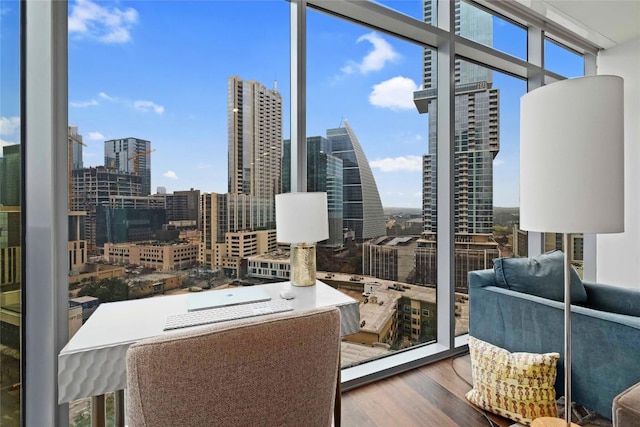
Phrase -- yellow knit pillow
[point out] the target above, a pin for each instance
(518, 386)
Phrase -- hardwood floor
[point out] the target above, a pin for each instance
(430, 396)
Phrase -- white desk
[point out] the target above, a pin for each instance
(94, 361)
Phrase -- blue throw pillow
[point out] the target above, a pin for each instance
(542, 276)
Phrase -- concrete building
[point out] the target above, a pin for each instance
(93, 187)
(273, 265)
(255, 145)
(397, 315)
(472, 252)
(154, 284)
(390, 258)
(131, 155)
(78, 250)
(240, 245)
(362, 209)
(160, 257)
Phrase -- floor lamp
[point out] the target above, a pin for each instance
(572, 173)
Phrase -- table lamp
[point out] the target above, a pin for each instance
(572, 173)
(302, 220)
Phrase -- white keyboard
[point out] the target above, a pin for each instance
(221, 314)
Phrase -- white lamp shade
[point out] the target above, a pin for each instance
(572, 157)
(302, 217)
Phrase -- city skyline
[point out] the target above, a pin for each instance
(129, 77)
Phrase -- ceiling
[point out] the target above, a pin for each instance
(606, 23)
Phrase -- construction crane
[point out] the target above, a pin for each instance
(136, 159)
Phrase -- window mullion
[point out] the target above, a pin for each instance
(535, 56)
(445, 287)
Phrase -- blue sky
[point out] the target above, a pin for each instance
(158, 70)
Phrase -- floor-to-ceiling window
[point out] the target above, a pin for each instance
(177, 113)
(10, 215)
(363, 91)
(156, 120)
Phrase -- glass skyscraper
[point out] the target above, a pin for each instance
(130, 155)
(476, 129)
(476, 143)
(362, 208)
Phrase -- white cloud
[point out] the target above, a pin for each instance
(498, 162)
(408, 163)
(83, 104)
(203, 166)
(9, 125)
(376, 59)
(105, 96)
(170, 175)
(395, 93)
(147, 106)
(96, 136)
(107, 25)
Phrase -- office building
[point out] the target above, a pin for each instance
(362, 209)
(155, 255)
(476, 129)
(75, 148)
(120, 225)
(78, 249)
(324, 173)
(476, 140)
(390, 258)
(93, 188)
(132, 155)
(255, 145)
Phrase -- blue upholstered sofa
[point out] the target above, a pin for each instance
(605, 333)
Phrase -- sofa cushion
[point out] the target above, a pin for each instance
(542, 276)
(518, 386)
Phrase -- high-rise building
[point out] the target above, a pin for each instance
(130, 155)
(255, 145)
(76, 144)
(476, 129)
(362, 208)
(324, 173)
(476, 142)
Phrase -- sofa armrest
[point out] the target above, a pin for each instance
(482, 278)
(614, 299)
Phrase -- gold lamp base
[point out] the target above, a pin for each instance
(551, 422)
(303, 264)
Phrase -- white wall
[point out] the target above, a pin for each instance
(619, 254)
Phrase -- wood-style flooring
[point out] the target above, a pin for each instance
(430, 396)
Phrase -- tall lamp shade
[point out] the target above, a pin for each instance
(572, 173)
(571, 157)
(302, 220)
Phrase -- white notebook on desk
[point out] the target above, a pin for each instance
(226, 297)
